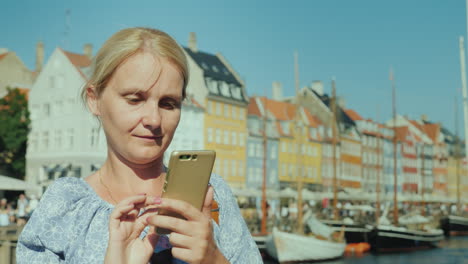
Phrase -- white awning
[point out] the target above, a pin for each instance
(12, 184)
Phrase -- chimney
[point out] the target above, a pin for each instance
(192, 42)
(39, 56)
(277, 91)
(341, 102)
(317, 86)
(424, 117)
(88, 50)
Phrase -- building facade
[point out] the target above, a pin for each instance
(57, 146)
(219, 89)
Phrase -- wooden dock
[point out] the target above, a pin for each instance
(8, 239)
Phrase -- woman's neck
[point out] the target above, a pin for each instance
(124, 179)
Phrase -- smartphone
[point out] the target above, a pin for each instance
(187, 179)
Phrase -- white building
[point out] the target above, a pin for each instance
(65, 139)
(189, 133)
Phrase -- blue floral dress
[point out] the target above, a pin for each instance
(70, 225)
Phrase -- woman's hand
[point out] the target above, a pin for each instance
(125, 227)
(192, 239)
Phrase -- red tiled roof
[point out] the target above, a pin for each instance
(253, 109)
(3, 55)
(79, 60)
(353, 115)
(432, 130)
(401, 133)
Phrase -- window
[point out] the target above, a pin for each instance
(241, 113)
(251, 149)
(225, 89)
(236, 92)
(283, 147)
(33, 141)
(233, 168)
(70, 137)
(218, 109)
(227, 113)
(273, 152)
(47, 109)
(241, 139)
(283, 169)
(45, 139)
(233, 138)
(210, 134)
(226, 137)
(259, 148)
(218, 136)
(209, 107)
(226, 168)
(234, 112)
(58, 139)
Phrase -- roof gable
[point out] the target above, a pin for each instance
(212, 67)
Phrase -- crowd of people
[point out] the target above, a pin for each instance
(17, 212)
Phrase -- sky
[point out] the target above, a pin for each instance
(356, 42)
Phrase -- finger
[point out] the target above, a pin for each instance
(133, 200)
(172, 223)
(206, 210)
(184, 254)
(182, 208)
(118, 213)
(182, 241)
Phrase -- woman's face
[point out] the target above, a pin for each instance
(140, 107)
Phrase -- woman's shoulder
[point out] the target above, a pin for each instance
(66, 195)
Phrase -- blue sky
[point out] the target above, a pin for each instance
(355, 41)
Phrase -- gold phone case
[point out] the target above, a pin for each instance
(187, 179)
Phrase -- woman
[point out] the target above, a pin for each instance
(136, 91)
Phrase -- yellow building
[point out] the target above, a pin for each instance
(299, 154)
(214, 83)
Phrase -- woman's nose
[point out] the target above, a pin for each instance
(151, 116)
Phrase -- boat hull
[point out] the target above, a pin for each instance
(395, 239)
(289, 248)
(454, 225)
(354, 233)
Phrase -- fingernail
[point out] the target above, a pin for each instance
(157, 200)
(142, 194)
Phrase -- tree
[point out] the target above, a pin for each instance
(14, 129)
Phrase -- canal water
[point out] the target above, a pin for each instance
(450, 251)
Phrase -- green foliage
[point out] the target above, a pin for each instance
(14, 129)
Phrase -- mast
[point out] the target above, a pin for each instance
(395, 178)
(300, 169)
(457, 156)
(379, 170)
(423, 180)
(334, 132)
(464, 92)
(263, 228)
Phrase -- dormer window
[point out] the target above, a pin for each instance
(215, 69)
(204, 66)
(225, 89)
(236, 92)
(285, 127)
(225, 71)
(212, 85)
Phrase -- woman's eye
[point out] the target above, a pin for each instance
(134, 100)
(168, 105)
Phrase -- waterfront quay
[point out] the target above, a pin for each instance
(450, 251)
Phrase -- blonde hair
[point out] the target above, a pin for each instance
(128, 42)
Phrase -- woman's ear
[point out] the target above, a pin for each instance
(92, 100)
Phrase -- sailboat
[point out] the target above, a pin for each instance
(414, 233)
(299, 247)
(354, 232)
(457, 224)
